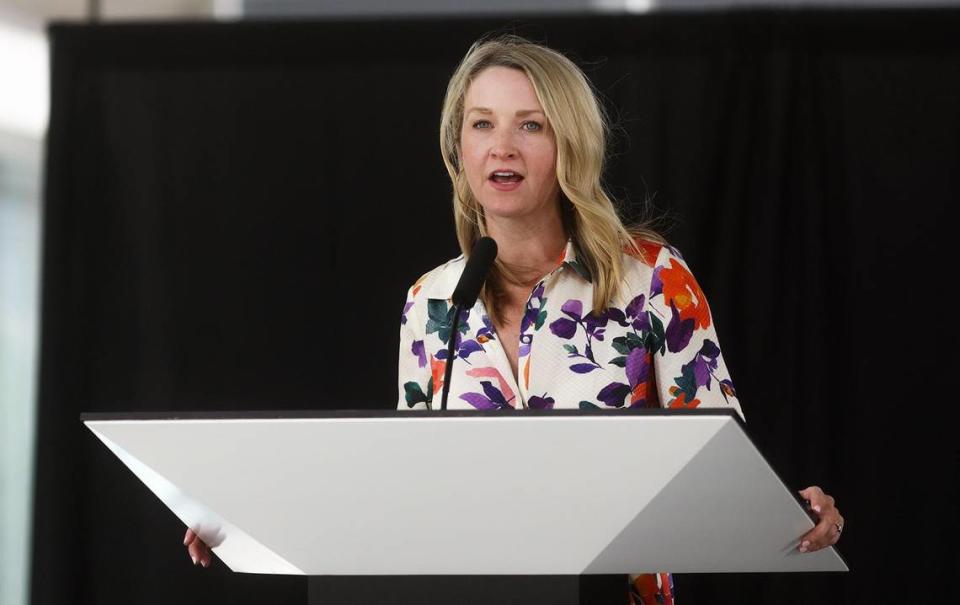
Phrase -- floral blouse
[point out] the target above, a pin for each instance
(655, 346)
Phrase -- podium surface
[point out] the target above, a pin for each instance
(485, 493)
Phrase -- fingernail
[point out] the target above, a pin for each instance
(194, 559)
(816, 507)
(803, 549)
(205, 563)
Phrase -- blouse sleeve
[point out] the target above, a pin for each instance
(689, 367)
(414, 372)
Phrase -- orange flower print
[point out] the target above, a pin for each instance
(494, 373)
(682, 289)
(649, 251)
(437, 368)
(680, 399)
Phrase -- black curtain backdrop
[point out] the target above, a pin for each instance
(234, 212)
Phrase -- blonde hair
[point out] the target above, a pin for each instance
(581, 129)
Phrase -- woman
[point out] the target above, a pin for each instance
(578, 311)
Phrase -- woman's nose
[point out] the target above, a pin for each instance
(503, 146)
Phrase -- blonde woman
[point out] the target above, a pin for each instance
(578, 311)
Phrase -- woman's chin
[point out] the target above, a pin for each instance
(513, 207)
(506, 211)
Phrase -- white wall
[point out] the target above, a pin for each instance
(19, 273)
(23, 121)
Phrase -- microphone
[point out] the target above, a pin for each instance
(478, 265)
(465, 296)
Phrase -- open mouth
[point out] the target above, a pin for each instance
(505, 176)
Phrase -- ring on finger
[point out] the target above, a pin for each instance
(839, 527)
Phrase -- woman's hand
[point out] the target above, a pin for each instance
(829, 521)
(196, 548)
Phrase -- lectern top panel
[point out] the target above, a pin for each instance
(486, 493)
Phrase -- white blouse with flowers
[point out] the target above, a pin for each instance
(654, 347)
(657, 346)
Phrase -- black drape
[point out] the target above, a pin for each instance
(234, 212)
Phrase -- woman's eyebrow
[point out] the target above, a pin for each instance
(487, 110)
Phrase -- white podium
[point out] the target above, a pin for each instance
(470, 493)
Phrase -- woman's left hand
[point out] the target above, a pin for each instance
(829, 521)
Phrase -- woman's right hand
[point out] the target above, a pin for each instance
(197, 548)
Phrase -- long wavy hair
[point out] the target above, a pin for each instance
(581, 128)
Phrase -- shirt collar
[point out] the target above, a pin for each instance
(442, 288)
(569, 259)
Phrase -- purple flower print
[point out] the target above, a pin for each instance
(564, 328)
(491, 372)
(464, 349)
(616, 315)
(637, 365)
(540, 403)
(533, 316)
(635, 307)
(699, 370)
(635, 313)
(441, 317)
(491, 399)
(613, 394)
(478, 401)
(679, 330)
(593, 325)
(707, 359)
(535, 313)
(573, 308)
(656, 283)
(403, 316)
(596, 324)
(467, 347)
(486, 333)
(638, 372)
(417, 349)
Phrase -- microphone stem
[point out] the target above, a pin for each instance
(451, 350)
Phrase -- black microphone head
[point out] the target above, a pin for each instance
(478, 265)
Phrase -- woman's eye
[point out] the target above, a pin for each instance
(481, 124)
(531, 126)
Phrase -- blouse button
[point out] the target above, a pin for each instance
(526, 338)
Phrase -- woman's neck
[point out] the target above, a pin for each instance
(529, 249)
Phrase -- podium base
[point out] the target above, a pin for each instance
(468, 590)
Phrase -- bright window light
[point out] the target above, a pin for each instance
(24, 81)
(639, 6)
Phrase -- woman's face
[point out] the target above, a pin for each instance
(508, 149)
